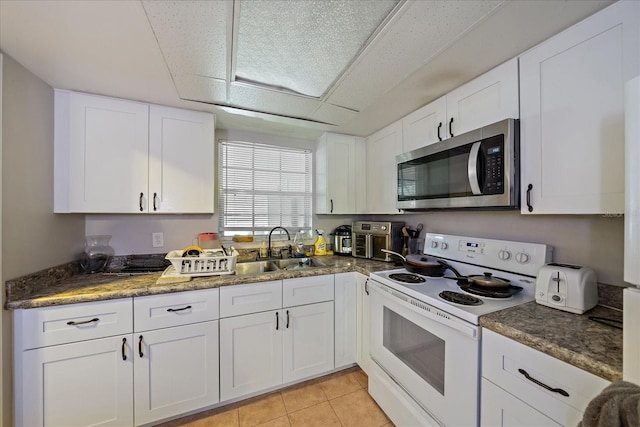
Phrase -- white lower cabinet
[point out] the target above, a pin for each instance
(524, 387)
(139, 361)
(176, 370)
(71, 374)
(501, 409)
(262, 347)
(307, 341)
(250, 353)
(77, 384)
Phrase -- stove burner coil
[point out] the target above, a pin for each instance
(480, 291)
(407, 278)
(458, 298)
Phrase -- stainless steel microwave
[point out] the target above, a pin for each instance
(478, 169)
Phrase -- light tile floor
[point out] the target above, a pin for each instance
(338, 399)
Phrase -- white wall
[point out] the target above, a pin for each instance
(131, 234)
(592, 240)
(33, 237)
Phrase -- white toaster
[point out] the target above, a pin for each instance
(567, 287)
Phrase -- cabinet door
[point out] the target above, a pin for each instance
(250, 353)
(105, 153)
(501, 409)
(487, 99)
(308, 341)
(345, 319)
(382, 176)
(176, 370)
(572, 130)
(181, 161)
(364, 360)
(335, 160)
(425, 126)
(78, 384)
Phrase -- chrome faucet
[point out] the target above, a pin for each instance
(270, 232)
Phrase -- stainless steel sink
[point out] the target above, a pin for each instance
(255, 267)
(298, 263)
(288, 264)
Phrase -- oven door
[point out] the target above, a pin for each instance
(433, 356)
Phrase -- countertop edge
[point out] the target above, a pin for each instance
(69, 291)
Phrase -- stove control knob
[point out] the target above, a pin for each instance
(434, 244)
(504, 255)
(444, 245)
(522, 257)
(383, 227)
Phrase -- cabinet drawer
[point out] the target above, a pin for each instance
(251, 298)
(507, 363)
(41, 327)
(307, 290)
(175, 309)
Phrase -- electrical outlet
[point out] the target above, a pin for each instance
(157, 240)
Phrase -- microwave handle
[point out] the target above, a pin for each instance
(369, 246)
(472, 168)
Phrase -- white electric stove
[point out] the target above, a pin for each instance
(425, 337)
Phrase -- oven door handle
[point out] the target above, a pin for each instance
(472, 168)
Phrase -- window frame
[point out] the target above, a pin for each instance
(227, 231)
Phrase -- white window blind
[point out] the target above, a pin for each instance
(263, 186)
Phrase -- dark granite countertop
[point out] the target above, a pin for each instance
(572, 338)
(63, 285)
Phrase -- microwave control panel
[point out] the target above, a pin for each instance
(493, 159)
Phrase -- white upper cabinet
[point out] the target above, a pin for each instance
(101, 153)
(119, 156)
(484, 100)
(572, 105)
(382, 149)
(340, 174)
(181, 160)
(425, 126)
(487, 99)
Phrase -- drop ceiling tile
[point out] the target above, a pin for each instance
(200, 88)
(303, 46)
(271, 101)
(192, 35)
(419, 32)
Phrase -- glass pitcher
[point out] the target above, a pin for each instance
(97, 254)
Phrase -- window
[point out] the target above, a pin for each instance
(263, 186)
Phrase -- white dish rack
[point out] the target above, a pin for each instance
(211, 262)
